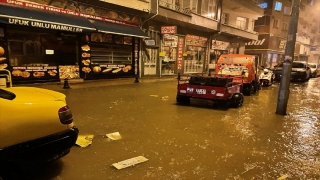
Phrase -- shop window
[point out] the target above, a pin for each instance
(242, 23)
(16, 48)
(194, 61)
(30, 48)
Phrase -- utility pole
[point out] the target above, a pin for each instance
(283, 95)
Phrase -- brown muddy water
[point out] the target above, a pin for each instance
(191, 142)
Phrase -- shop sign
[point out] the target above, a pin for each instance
(45, 25)
(168, 29)
(170, 40)
(261, 43)
(313, 48)
(34, 71)
(162, 54)
(219, 45)
(180, 52)
(82, 10)
(136, 56)
(150, 41)
(193, 40)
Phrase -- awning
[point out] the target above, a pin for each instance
(44, 19)
(107, 27)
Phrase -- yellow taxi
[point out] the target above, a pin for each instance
(36, 126)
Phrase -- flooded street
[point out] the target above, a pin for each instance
(198, 141)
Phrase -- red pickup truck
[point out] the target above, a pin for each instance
(217, 89)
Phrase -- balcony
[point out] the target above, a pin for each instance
(244, 6)
(173, 7)
(192, 21)
(236, 31)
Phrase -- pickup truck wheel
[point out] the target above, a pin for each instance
(248, 90)
(236, 100)
(183, 100)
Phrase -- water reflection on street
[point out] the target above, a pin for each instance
(196, 141)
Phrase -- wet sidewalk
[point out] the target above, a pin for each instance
(79, 84)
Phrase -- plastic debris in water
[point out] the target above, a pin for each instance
(165, 97)
(114, 136)
(130, 162)
(283, 177)
(84, 140)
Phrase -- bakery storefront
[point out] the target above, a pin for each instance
(39, 47)
(44, 43)
(111, 52)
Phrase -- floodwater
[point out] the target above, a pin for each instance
(192, 142)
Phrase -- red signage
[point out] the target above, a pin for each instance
(168, 29)
(60, 10)
(180, 52)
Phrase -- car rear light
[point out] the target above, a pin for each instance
(65, 115)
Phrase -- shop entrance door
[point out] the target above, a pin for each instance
(150, 61)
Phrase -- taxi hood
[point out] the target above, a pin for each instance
(35, 94)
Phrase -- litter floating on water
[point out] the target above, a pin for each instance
(283, 177)
(154, 96)
(84, 140)
(114, 136)
(130, 162)
(165, 97)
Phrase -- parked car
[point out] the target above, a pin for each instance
(300, 71)
(36, 126)
(315, 69)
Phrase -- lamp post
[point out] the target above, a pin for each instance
(283, 95)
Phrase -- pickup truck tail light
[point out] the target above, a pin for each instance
(65, 115)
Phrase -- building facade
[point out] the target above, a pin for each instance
(273, 30)
(50, 40)
(190, 35)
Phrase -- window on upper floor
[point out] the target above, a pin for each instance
(311, 2)
(278, 6)
(208, 8)
(287, 10)
(276, 23)
(225, 18)
(242, 23)
(284, 26)
(196, 6)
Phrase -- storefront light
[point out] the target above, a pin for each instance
(49, 51)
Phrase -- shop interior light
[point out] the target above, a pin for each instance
(49, 51)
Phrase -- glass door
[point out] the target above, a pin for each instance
(150, 61)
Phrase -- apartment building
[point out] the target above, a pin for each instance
(273, 30)
(190, 35)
